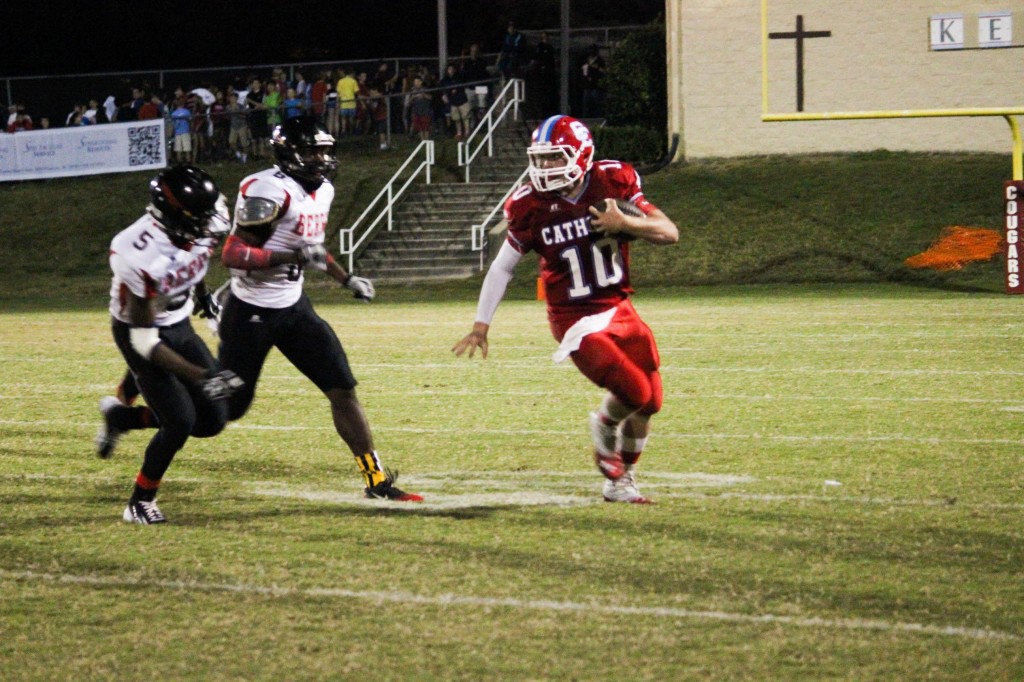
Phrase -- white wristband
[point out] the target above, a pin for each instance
(144, 340)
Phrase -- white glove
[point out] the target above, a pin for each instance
(314, 255)
(362, 287)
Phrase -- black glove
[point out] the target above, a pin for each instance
(220, 385)
(207, 306)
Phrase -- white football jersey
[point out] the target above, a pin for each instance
(301, 220)
(146, 263)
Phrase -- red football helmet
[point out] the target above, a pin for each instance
(560, 153)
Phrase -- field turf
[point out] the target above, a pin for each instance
(837, 471)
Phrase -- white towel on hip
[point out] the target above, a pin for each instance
(585, 325)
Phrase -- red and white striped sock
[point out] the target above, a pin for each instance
(630, 448)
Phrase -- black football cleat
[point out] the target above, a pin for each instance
(143, 512)
(387, 490)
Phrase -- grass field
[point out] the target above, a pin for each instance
(837, 470)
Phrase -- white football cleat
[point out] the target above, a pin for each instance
(623, 489)
(609, 462)
(107, 436)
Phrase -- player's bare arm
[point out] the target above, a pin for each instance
(336, 272)
(145, 339)
(654, 227)
(361, 287)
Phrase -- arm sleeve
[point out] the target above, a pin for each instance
(496, 281)
(240, 256)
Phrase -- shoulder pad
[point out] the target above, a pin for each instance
(256, 211)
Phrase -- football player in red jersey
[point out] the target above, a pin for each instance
(584, 258)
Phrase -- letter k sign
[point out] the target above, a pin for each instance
(947, 31)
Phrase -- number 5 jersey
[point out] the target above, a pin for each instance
(148, 264)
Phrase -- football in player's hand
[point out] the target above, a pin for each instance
(624, 206)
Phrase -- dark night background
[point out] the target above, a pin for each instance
(47, 38)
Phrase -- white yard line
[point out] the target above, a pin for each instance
(776, 437)
(537, 488)
(461, 602)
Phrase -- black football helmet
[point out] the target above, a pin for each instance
(304, 150)
(183, 199)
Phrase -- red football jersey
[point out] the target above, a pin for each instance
(582, 275)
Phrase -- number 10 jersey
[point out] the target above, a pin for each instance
(583, 273)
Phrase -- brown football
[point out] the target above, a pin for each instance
(625, 207)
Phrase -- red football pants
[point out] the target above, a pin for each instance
(623, 358)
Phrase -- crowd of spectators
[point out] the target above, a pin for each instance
(210, 122)
(18, 119)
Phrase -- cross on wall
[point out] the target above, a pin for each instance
(799, 35)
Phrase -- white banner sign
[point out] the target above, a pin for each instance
(83, 150)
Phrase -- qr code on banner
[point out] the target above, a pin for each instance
(145, 146)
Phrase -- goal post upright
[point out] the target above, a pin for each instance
(766, 116)
(1013, 189)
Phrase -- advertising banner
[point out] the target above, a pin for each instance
(83, 150)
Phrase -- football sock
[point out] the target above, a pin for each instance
(131, 418)
(369, 466)
(145, 488)
(128, 389)
(613, 411)
(631, 448)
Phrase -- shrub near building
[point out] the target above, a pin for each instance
(636, 99)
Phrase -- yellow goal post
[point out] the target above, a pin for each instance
(1006, 112)
(1013, 191)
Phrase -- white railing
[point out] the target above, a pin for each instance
(480, 229)
(509, 99)
(349, 243)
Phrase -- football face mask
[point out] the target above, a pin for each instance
(304, 150)
(318, 162)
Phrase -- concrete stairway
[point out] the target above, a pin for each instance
(431, 238)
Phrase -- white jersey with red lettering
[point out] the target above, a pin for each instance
(301, 220)
(148, 264)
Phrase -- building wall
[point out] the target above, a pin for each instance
(878, 57)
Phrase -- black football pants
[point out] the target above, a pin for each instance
(248, 332)
(180, 406)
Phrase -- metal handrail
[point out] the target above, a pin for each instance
(491, 120)
(347, 236)
(479, 230)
